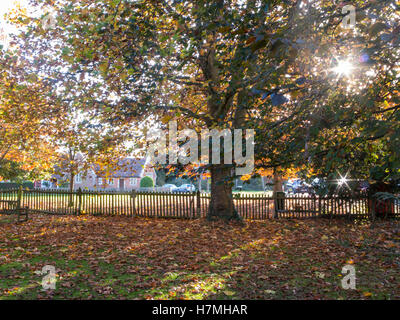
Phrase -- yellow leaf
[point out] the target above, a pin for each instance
(229, 293)
(166, 119)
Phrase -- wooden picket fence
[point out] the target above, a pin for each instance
(191, 205)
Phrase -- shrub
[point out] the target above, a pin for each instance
(15, 185)
(8, 185)
(146, 182)
(28, 185)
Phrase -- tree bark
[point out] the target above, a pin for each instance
(278, 183)
(278, 187)
(221, 203)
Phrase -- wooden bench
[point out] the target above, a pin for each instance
(13, 207)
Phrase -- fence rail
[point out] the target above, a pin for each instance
(193, 205)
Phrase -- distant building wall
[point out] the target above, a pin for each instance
(90, 181)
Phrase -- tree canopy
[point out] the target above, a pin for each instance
(322, 98)
(29, 118)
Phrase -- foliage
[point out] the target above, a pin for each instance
(383, 196)
(11, 170)
(146, 182)
(29, 116)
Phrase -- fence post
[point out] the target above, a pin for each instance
(372, 203)
(198, 204)
(134, 202)
(319, 205)
(79, 193)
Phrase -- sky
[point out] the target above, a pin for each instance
(5, 6)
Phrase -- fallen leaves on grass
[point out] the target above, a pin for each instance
(139, 258)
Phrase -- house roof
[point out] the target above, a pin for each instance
(125, 168)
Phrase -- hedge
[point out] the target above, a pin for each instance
(146, 182)
(14, 185)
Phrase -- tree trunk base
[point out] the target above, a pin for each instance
(212, 215)
(221, 206)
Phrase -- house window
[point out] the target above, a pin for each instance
(100, 181)
(132, 181)
(111, 181)
(78, 178)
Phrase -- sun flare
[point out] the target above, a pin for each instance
(343, 68)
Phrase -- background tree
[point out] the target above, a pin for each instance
(11, 170)
(29, 116)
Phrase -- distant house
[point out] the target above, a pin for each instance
(126, 176)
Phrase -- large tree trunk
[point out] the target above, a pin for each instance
(221, 203)
(278, 188)
(278, 183)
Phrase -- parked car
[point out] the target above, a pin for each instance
(169, 187)
(185, 188)
(298, 186)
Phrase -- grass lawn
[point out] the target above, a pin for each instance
(139, 258)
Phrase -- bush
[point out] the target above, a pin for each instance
(8, 185)
(14, 185)
(146, 182)
(28, 185)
